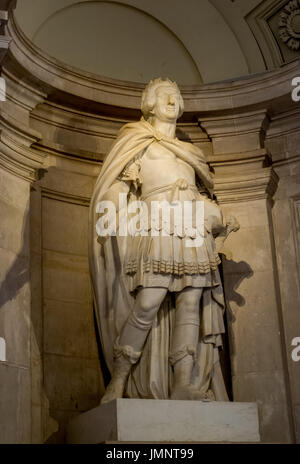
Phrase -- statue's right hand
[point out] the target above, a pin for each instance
(182, 184)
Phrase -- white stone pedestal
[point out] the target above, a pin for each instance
(134, 420)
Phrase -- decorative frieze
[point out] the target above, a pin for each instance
(289, 24)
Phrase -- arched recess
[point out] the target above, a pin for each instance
(141, 47)
(198, 28)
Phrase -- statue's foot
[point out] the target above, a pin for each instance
(114, 390)
(188, 392)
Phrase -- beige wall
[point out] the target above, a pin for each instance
(15, 375)
(55, 131)
(71, 369)
(283, 141)
(139, 40)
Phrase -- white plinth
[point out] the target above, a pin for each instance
(134, 420)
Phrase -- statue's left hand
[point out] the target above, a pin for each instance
(182, 184)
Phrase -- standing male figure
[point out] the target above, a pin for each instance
(159, 302)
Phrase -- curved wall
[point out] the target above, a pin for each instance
(137, 40)
(57, 124)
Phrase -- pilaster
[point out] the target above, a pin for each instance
(245, 183)
(19, 167)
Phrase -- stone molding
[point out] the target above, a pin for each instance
(59, 116)
(285, 123)
(6, 6)
(252, 159)
(47, 147)
(16, 135)
(21, 92)
(282, 139)
(17, 158)
(50, 92)
(240, 160)
(65, 197)
(253, 185)
(59, 79)
(239, 132)
(243, 123)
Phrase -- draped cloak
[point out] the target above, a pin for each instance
(151, 377)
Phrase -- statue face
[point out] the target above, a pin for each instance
(166, 106)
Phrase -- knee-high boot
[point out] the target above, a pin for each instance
(124, 358)
(183, 362)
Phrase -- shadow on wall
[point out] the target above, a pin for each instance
(18, 274)
(234, 274)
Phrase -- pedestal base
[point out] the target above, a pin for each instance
(134, 420)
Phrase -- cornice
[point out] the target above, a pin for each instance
(253, 185)
(18, 158)
(256, 158)
(67, 152)
(238, 139)
(57, 78)
(21, 132)
(285, 123)
(21, 92)
(293, 162)
(229, 125)
(77, 121)
(16, 135)
(65, 197)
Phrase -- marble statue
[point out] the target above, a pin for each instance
(159, 303)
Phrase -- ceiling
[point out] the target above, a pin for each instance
(192, 41)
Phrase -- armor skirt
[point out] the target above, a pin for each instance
(168, 261)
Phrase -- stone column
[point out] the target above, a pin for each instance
(283, 141)
(15, 406)
(19, 166)
(245, 183)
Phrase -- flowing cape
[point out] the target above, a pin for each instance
(151, 377)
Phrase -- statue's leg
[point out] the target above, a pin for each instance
(185, 340)
(139, 322)
(129, 345)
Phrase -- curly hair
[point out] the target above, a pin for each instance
(149, 96)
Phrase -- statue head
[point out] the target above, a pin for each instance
(162, 98)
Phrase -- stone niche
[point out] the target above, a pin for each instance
(57, 126)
